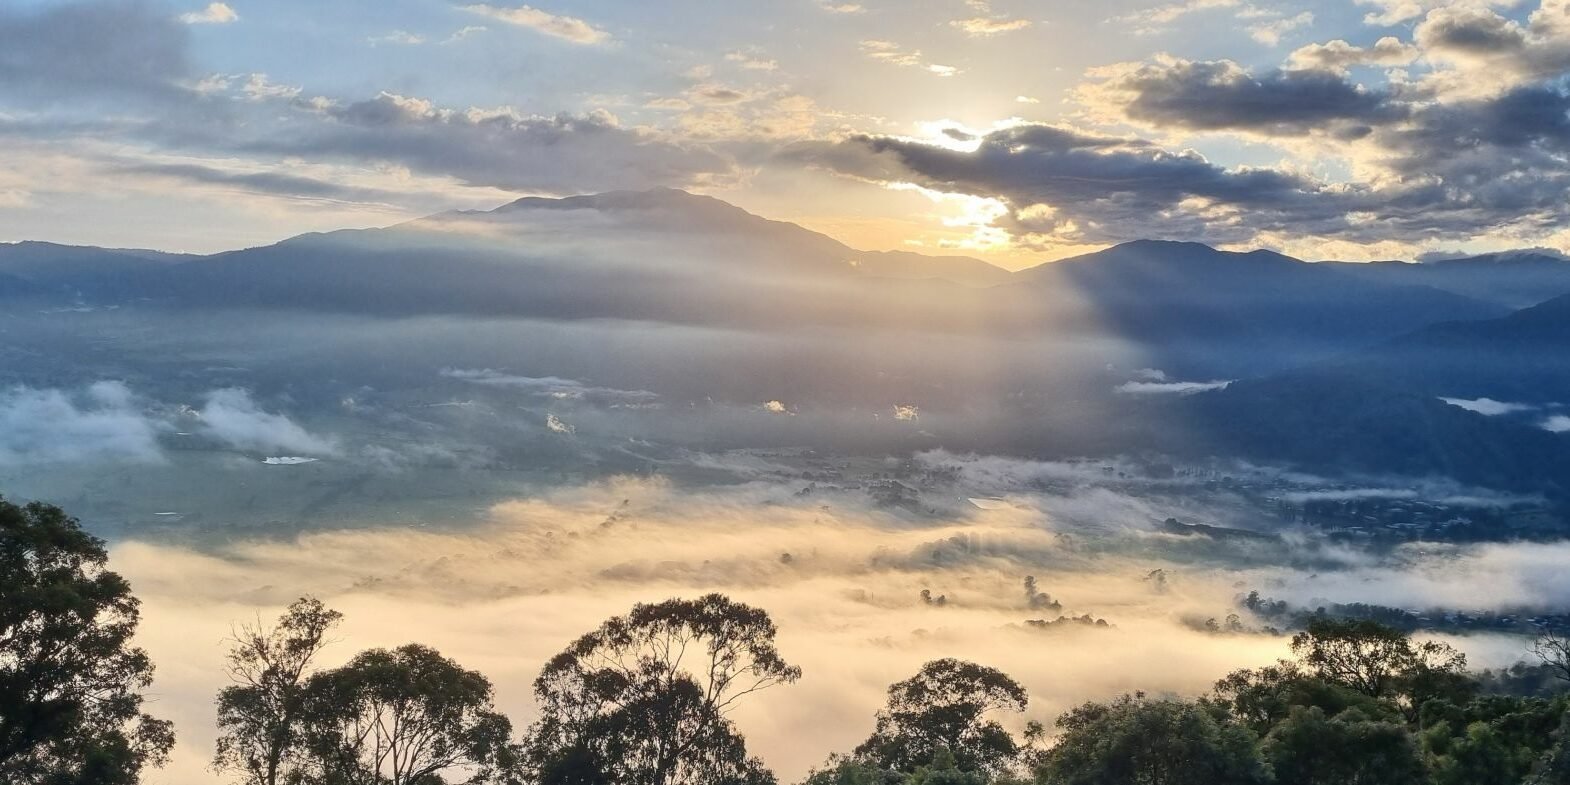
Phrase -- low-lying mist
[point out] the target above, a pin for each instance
(842, 577)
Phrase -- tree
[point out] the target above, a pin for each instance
(1492, 740)
(1553, 768)
(259, 715)
(405, 716)
(842, 770)
(1138, 741)
(1383, 663)
(1264, 697)
(1553, 650)
(70, 680)
(1348, 749)
(944, 709)
(644, 699)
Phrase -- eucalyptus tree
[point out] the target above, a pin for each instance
(645, 699)
(260, 714)
(404, 716)
(946, 709)
(70, 681)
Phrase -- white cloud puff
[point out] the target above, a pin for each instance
(99, 423)
(213, 14)
(233, 418)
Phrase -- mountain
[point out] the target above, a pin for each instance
(667, 215)
(667, 256)
(1243, 313)
(1326, 422)
(51, 269)
(1380, 409)
(1522, 357)
(12, 286)
(1514, 279)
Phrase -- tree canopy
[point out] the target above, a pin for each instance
(70, 681)
(260, 715)
(945, 709)
(1136, 740)
(644, 699)
(404, 716)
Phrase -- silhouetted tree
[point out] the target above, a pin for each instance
(1264, 697)
(644, 699)
(1492, 740)
(944, 709)
(1553, 768)
(1383, 663)
(1137, 741)
(845, 770)
(70, 680)
(406, 716)
(1347, 749)
(1553, 650)
(1035, 599)
(259, 715)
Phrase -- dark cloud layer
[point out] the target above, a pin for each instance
(1101, 188)
(560, 153)
(1475, 143)
(1470, 138)
(64, 63)
(1208, 96)
(110, 49)
(262, 182)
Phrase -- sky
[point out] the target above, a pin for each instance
(1017, 132)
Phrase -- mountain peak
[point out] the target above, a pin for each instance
(1175, 253)
(613, 201)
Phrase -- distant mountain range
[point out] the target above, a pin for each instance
(1340, 365)
(669, 256)
(1514, 279)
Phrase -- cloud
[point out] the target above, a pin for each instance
(101, 422)
(265, 182)
(1169, 388)
(1222, 95)
(890, 52)
(1486, 52)
(1338, 55)
(1394, 12)
(1491, 116)
(230, 416)
(507, 594)
(117, 51)
(1558, 423)
(1025, 99)
(1489, 406)
(775, 407)
(841, 8)
(1477, 498)
(752, 62)
(1269, 33)
(400, 37)
(553, 387)
(1095, 188)
(464, 32)
(556, 425)
(500, 147)
(986, 27)
(213, 14)
(1151, 20)
(566, 28)
(1507, 577)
